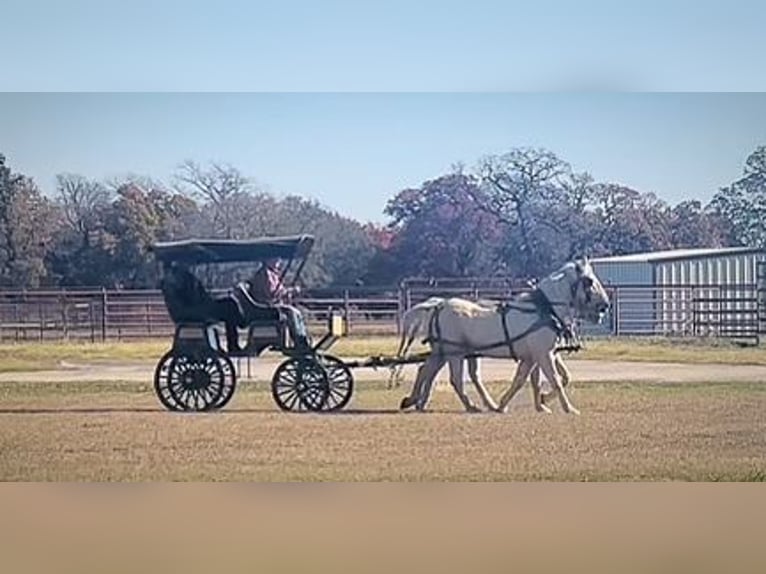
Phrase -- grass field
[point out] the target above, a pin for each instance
(115, 431)
(45, 356)
(111, 430)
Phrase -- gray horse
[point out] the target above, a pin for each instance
(526, 329)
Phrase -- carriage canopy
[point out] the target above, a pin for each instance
(205, 251)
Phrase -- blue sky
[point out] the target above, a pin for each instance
(391, 45)
(352, 152)
(349, 101)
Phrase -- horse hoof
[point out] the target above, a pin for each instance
(574, 411)
(544, 409)
(473, 409)
(406, 403)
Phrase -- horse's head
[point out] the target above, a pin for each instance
(576, 286)
(588, 295)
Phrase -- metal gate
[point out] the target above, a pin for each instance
(761, 295)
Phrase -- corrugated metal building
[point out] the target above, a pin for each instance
(683, 291)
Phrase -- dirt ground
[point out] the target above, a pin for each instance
(491, 370)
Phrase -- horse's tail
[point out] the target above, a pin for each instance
(414, 320)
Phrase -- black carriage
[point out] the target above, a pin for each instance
(197, 373)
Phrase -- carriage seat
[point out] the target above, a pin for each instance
(266, 327)
(185, 306)
(253, 311)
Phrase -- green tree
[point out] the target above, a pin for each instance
(77, 255)
(742, 205)
(342, 249)
(142, 214)
(692, 225)
(27, 219)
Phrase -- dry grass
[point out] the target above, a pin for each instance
(115, 431)
(45, 356)
(50, 355)
(667, 350)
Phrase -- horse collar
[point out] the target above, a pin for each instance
(547, 307)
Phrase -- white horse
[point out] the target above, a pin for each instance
(415, 322)
(526, 329)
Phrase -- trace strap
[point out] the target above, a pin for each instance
(541, 305)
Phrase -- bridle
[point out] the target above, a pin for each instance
(550, 305)
(540, 304)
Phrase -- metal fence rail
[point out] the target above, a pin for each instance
(761, 296)
(100, 314)
(683, 310)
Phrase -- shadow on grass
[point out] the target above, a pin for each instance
(79, 410)
(226, 412)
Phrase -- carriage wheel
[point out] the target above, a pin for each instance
(194, 382)
(197, 382)
(300, 384)
(229, 381)
(162, 382)
(341, 383)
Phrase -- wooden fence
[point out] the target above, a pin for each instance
(100, 315)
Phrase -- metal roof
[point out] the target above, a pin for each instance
(199, 251)
(677, 254)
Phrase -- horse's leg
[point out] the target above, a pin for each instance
(408, 337)
(456, 380)
(561, 368)
(395, 378)
(423, 381)
(563, 372)
(522, 372)
(431, 368)
(473, 373)
(537, 394)
(411, 399)
(547, 362)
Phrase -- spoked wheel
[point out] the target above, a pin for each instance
(341, 383)
(229, 381)
(162, 382)
(300, 384)
(194, 382)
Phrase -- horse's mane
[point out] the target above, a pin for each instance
(469, 308)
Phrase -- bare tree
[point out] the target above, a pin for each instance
(83, 203)
(631, 221)
(515, 183)
(216, 183)
(574, 218)
(222, 188)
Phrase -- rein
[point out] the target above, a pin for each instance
(540, 305)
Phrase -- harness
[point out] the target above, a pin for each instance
(540, 304)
